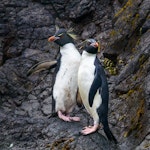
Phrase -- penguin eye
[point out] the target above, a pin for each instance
(88, 43)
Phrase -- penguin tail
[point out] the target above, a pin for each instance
(108, 132)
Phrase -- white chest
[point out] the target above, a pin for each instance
(85, 80)
(70, 62)
(65, 87)
(86, 76)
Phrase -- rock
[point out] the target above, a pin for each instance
(43, 94)
(4, 30)
(29, 52)
(89, 31)
(126, 20)
(79, 9)
(145, 144)
(146, 25)
(47, 106)
(147, 85)
(31, 108)
(32, 97)
(12, 52)
(1, 58)
(131, 68)
(32, 17)
(122, 27)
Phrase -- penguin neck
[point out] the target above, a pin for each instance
(85, 55)
(67, 49)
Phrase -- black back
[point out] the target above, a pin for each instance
(100, 84)
(62, 38)
(103, 90)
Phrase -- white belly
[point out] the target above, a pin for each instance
(85, 80)
(65, 87)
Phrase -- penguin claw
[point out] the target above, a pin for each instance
(75, 118)
(63, 117)
(89, 129)
(86, 127)
(67, 118)
(70, 119)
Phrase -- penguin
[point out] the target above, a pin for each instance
(65, 85)
(93, 89)
(40, 66)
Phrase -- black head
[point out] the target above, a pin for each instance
(61, 37)
(91, 46)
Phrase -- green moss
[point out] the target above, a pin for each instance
(130, 92)
(148, 17)
(134, 21)
(135, 78)
(63, 144)
(147, 145)
(126, 18)
(108, 63)
(113, 33)
(113, 71)
(120, 61)
(128, 4)
(110, 66)
(133, 42)
(127, 15)
(133, 49)
(122, 117)
(138, 41)
(142, 59)
(136, 123)
(67, 144)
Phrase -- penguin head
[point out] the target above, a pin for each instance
(91, 46)
(62, 37)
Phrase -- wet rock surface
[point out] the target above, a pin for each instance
(122, 27)
(37, 132)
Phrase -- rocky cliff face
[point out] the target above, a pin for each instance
(122, 27)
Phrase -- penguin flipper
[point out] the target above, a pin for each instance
(95, 86)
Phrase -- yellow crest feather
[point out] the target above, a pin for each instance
(70, 33)
(99, 47)
(70, 30)
(73, 35)
(57, 28)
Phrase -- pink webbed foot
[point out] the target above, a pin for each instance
(63, 117)
(67, 118)
(75, 118)
(89, 129)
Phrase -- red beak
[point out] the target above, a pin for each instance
(95, 44)
(52, 38)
